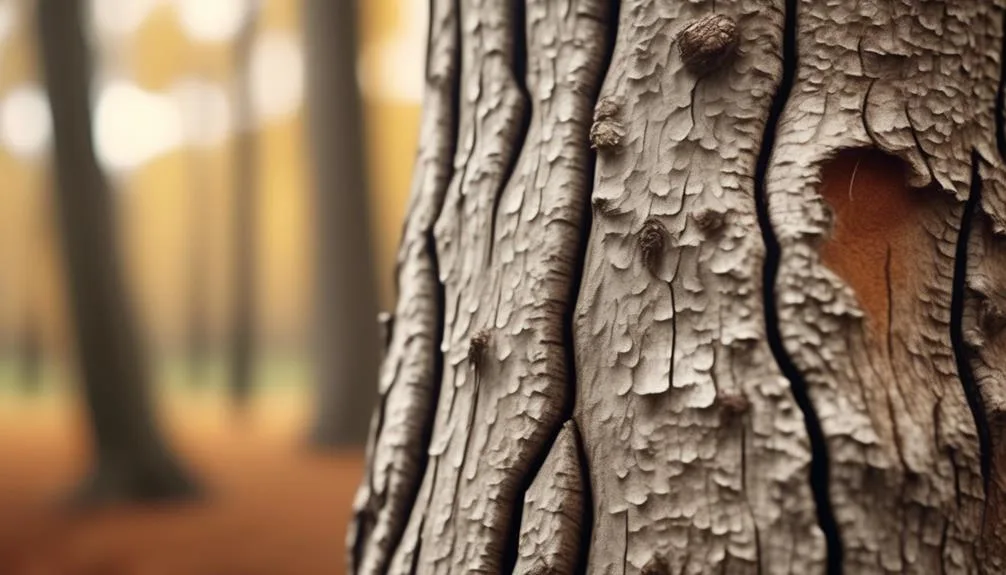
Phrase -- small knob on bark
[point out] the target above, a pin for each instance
(607, 131)
(477, 349)
(708, 43)
(652, 240)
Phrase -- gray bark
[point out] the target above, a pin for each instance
(132, 459)
(346, 335)
(747, 400)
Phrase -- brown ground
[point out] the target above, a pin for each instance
(271, 507)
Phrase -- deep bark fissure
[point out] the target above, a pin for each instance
(519, 67)
(438, 370)
(440, 296)
(414, 568)
(970, 385)
(587, 224)
(512, 546)
(365, 519)
(674, 325)
(819, 465)
(429, 248)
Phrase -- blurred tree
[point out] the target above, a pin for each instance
(133, 460)
(245, 198)
(197, 290)
(29, 344)
(30, 352)
(346, 332)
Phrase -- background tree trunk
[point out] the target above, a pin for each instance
(133, 461)
(197, 290)
(30, 352)
(737, 309)
(245, 206)
(346, 340)
(31, 355)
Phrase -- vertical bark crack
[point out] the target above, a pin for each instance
(511, 550)
(438, 374)
(390, 513)
(964, 371)
(414, 566)
(819, 466)
(519, 67)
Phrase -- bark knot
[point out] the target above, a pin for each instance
(607, 131)
(709, 220)
(733, 405)
(652, 240)
(708, 43)
(656, 566)
(991, 317)
(477, 348)
(603, 206)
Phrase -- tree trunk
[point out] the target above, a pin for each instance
(133, 461)
(245, 206)
(30, 353)
(197, 340)
(739, 308)
(346, 336)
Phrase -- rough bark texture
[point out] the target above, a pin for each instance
(784, 348)
(409, 380)
(553, 520)
(132, 460)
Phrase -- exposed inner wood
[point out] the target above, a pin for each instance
(902, 435)
(875, 218)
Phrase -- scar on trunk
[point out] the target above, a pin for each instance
(876, 223)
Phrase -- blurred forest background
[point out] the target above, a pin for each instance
(173, 84)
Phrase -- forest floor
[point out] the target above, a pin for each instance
(270, 505)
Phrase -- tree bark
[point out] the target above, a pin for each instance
(346, 336)
(133, 461)
(245, 206)
(749, 290)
